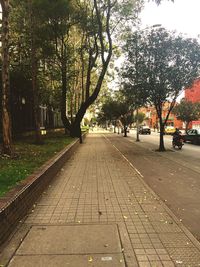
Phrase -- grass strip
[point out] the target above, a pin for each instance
(29, 157)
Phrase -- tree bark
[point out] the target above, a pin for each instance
(105, 51)
(125, 131)
(7, 147)
(34, 69)
(38, 136)
(186, 126)
(161, 145)
(64, 118)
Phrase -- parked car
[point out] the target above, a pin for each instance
(192, 136)
(169, 130)
(144, 130)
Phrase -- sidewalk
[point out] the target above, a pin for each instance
(98, 212)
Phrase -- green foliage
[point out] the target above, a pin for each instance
(29, 158)
(159, 65)
(140, 117)
(114, 110)
(187, 111)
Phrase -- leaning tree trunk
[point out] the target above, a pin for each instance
(75, 130)
(6, 116)
(105, 53)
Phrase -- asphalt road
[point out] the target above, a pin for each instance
(173, 175)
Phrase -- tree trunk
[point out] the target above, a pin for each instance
(137, 127)
(75, 131)
(125, 131)
(64, 117)
(74, 126)
(186, 126)
(161, 146)
(38, 136)
(36, 110)
(6, 116)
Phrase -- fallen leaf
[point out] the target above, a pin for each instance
(90, 259)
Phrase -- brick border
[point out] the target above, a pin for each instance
(16, 203)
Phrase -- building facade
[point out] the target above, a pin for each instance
(193, 94)
(151, 118)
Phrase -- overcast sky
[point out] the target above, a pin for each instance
(182, 15)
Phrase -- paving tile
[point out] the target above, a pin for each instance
(97, 186)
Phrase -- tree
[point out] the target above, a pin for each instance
(6, 117)
(96, 23)
(117, 110)
(166, 64)
(109, 112)
(36, 20)
(187, 111)
(31, 46)
(139, 117)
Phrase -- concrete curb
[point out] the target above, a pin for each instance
(15, 204)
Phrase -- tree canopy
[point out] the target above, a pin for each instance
(187, 111)
(64, 49)
(159, 65)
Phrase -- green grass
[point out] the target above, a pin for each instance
(29, 157)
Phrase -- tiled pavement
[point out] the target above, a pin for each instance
(97, 186)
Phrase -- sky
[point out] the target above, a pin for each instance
(182, 16)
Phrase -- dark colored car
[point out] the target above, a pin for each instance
(192, 136)
(144, 130)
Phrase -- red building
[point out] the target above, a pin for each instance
(193, 94)
(152, 120)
